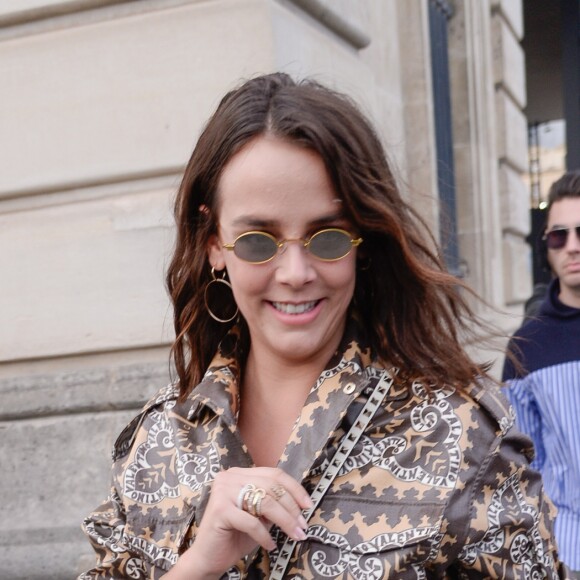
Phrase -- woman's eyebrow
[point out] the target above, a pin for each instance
(257, 222)
(254, 222)
(328, 219)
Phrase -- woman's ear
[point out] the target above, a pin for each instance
(215, 253)
(214, 249)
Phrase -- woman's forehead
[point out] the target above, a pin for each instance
(271, 179)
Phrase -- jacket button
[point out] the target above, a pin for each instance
(349, 388)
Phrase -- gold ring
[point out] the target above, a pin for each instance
(256, 503)
(248, 498)
(278, 491)
(243, 492)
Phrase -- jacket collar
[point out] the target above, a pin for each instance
(344, 379)
(218, 391)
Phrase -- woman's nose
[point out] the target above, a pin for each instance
(294, 264)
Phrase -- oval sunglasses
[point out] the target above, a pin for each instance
(328, 245)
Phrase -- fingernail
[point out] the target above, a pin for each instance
(299, 534)
(308, 501)
(302, 522)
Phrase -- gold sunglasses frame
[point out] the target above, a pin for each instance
(354, 242)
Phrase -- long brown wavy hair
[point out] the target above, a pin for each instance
(411, 310)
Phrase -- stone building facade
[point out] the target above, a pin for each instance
(101, 102)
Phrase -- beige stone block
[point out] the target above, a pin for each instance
(462, 118)
(512, 132)
(18, 11)
(421, 162)
(513, 13)
(517, 270)
(55, 470)
(467, 209)
(508, 61)
(122, 97)
(349, 20)
(390, 125)
(481, 250)
(85, 277)
(471, 258)
(384, 53)
(111, 387)
(515, 201)
(304, 47)
(384, 57)
(12, 6)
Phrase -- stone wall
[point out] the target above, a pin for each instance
(102, 101)
(510, 94)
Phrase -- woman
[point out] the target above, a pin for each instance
(327, 422)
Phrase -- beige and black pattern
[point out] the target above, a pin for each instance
(439, 486)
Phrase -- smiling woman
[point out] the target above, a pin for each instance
(295, 305)
(326, 421)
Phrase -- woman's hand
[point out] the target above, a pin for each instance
(227, 533)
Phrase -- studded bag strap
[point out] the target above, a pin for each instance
(347, 444)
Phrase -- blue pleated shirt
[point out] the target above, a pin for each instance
(545, 395)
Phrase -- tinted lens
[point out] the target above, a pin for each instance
(255, 247)
(556, 239)
(330, 244)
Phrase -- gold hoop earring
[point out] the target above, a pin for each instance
(219, 284)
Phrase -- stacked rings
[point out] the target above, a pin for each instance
(242, 495)
(256, 507)
(250, 499)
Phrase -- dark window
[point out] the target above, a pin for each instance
(439, 13)
(571, 78)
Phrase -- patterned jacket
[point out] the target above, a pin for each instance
(438, 486)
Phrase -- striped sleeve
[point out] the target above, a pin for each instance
(528, 418)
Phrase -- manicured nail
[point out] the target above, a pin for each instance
(302, 522)
(299, 534)
(308, 501)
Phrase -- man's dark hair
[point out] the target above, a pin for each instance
(567, 186)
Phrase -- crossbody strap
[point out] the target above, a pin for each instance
(348, 442)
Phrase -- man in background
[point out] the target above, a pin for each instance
(545, 389)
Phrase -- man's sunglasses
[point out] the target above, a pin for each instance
(327, 245)
(556, 239)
